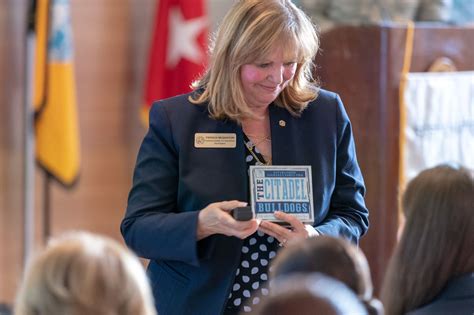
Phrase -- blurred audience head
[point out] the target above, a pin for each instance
(436, 243)
(82, 273)
(309, 294)
(334, 257)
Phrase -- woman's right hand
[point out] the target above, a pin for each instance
(216, 219)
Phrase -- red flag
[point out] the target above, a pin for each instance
(178, 50)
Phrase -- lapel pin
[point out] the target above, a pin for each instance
(282, 123)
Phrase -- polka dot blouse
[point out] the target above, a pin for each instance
(257, 251)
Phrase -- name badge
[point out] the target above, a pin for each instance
(215, 140)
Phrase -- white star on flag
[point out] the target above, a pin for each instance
(182, 38)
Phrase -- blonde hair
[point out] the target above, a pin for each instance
(436, 243)
(248, 32)
(82, 273)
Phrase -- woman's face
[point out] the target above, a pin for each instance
(263, 80)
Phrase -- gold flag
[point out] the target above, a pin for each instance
(56, 126)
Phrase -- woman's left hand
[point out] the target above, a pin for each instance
(285, 235)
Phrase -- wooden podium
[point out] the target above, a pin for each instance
(363, 64)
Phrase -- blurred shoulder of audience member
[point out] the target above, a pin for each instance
(5, 309)
(334, 257)
(432, 267)
(83, 273)
(310, 294)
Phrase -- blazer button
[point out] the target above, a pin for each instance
(282, 123)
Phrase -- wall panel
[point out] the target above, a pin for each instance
(12, 28)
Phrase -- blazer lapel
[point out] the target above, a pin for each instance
(283, 128)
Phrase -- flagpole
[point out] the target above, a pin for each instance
(29, 140)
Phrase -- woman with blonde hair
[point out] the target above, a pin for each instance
(257, 104)
(432, 268)
(81, 273)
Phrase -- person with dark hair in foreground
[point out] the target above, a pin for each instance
(309, 294)
(334, 257)
(432, 268)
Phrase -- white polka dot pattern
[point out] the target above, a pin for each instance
(252, 274)
(251, 277)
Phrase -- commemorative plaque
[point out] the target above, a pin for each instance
(282, 188)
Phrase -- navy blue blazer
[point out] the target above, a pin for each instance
(173, 180)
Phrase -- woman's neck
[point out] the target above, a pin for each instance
(258, 131)
(259, 112)
(259, 125)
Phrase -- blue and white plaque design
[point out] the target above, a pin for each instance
(284, 188)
